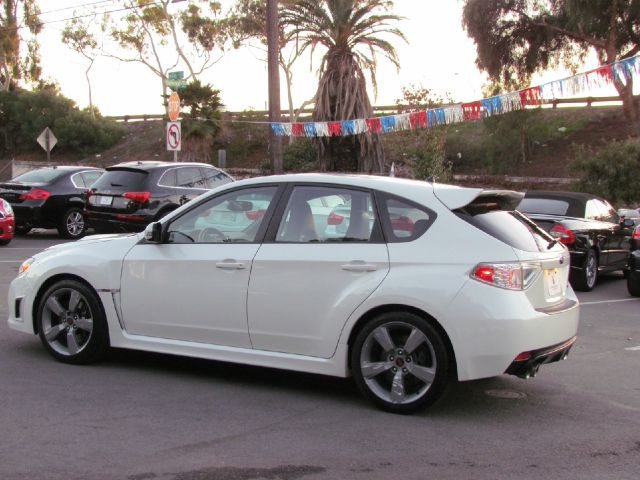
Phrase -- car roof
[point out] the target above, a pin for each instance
(69, 168)
(156, 164)
(582, 196)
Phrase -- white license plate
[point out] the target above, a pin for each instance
(552, 281)
(105, 200)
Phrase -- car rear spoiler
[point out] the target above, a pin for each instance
(477, 199)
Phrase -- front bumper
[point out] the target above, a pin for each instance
(527, 366)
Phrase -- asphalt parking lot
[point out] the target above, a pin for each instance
(141, 416)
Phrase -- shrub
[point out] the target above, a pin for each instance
(24, 114)
(611, 173)
(301, 156)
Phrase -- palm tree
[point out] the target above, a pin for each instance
(353, 33)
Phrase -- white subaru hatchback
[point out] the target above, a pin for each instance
(462, 287)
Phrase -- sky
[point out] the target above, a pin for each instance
(437, 55)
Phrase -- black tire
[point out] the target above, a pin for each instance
(633, 285)
(69, 311)
(72, 224)
(5, 241)
(391, 382)
(584, 278)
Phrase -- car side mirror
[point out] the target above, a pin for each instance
(628, 222)
(153, 232)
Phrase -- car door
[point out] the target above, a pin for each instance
(193, 285)
(619, 236)
(306, 282)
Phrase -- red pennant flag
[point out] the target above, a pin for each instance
(374, 125)
(472, 110)
(334, 128)
(297, 129)
(418, 119)
(530, 96)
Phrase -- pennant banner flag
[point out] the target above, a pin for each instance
(622, 71)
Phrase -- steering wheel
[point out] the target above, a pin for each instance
(210, 234)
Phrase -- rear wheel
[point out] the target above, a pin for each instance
(400, 362)
(71, 324)
(584, 279)
(72, 224)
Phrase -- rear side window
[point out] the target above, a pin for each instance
(404, 221)
(133, 180)
(189, 177)
(90, 177)
(42, 175)
(544, 206)
(214, 178)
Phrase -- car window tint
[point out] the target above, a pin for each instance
(91, 177)
(78, 181)
(592, 210)
(214, 178)
(405, 221)
(327, 214)
(233, 217)
(168, 178)
(42, 175)
(544, 206)
(132, 180)
(607, 212)
(189, 177)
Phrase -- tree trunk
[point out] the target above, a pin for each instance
(86, 74)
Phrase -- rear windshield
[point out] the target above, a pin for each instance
(43, 175)
(129, 179)
(544, 206)
(508, 226)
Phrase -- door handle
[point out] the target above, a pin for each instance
(359, 266)
(230, 265)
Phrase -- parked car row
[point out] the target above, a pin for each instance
(124, 197)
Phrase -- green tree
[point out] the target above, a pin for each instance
(353, 32)
(516, 38)
(15, 63)
(154, 36)
(248, 22)
(200, 121)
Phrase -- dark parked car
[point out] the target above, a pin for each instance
(51, 197)
(633, 279)
(131, 195)
(588, 225)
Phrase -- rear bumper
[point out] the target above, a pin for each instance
(117, 222)
(33, 216)
(530, 363)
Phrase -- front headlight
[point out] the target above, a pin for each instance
(7, 207)
(25, 265)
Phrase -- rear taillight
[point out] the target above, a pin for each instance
(35, 194)
(87, 193)
(562, 234)
(334, 219)
(254, 214)
(404, 224)
(636, 233)
(512, 276)
(137, 196)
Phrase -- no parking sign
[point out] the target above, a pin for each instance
(174, 136)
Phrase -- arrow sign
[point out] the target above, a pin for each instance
(174, 136)
(47, 141)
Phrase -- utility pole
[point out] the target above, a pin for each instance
(274, 82)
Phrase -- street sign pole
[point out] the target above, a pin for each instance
(47, 147)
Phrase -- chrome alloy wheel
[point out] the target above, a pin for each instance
(398, 363)
(75, 224)
(67, 321)
(591, 270)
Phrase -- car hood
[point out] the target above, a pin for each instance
(119, 238)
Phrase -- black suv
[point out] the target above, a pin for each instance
(133, 194)
(51, 197)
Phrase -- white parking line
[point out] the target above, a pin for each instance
(633, 348)
(611, 301)
(10, 261)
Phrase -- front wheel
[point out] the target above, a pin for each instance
(584, 279)
(71, 324)
(72, 224)
(400, 362)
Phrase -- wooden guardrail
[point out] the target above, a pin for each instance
(263, 115)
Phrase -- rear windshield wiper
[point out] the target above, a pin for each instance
(536, 228)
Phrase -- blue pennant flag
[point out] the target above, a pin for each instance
(310, 129)
(492, 105)
(348, 127)
(278, 129)
(388, 123)
(431, 118)
(440, 118)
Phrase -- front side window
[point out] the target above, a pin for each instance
(214, 178)
(189, 177)
(233, 217)
(327, 214)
